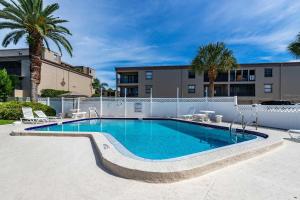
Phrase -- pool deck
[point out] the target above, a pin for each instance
(66, 168)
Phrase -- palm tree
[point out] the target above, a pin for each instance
(97, 85)
(36, 22)
(214, 58)
(294, 47)
(104, 85)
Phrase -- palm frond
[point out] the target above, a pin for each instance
(214, 56)
(31, 18)
(10, 25)
(14, 36)
(63, 41)
(294, 47)
(63, 30)
(10, 16)
(50, 9)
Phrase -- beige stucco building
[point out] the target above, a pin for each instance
(251, 82)
(55, 74)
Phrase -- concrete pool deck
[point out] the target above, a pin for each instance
(66, 168)
(115, 158)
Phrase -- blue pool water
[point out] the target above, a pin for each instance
(156, 139)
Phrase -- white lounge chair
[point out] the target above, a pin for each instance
(295, 131)
(41, 114)
(29, 117)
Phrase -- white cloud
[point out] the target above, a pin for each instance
(269, 24)
(105, 54)
(276, 41)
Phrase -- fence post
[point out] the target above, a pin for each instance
(151, 102)
(235, 100)
(62, 107)
(78, 104)
(177, 103)
(101, 104)
(48, 101)
(125, 100)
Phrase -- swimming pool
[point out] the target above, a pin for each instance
(156, 139)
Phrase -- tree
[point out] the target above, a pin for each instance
(214, 58)
(36, 22)
(6, 87)
(97, 85)
(294, 47)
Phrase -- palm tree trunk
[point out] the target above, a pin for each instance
(35, 52)
(212, 75)
(211, 92)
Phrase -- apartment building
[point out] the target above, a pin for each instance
(253, 83)
(55, 73)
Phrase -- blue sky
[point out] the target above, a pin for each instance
(110, 33)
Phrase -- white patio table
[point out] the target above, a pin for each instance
(207, 113)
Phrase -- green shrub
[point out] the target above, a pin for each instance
(6, 87)
(96, 95)
(52, 93)
(13, 110)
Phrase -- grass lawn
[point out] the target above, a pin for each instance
(3, 122)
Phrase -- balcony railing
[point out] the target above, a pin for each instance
(129, 79)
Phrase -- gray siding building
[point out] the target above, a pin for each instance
(253, 83)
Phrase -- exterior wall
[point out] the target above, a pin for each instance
(198, 81)
(166, 81)
(54, 73)
(61, 79)
(261, 80)
(80, 84)
(163, 82)
(290, 82)
(52, 56)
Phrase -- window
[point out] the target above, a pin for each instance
(268, 88)
(149, 75)
(138, 107)
(191, 89)
(192, 74)
(251, 75)
(148, 89)
(245, 75)
(268, 72)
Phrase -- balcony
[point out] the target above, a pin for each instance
(128, 78)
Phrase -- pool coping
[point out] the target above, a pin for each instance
(121, 164)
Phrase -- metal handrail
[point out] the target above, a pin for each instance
(234, 120)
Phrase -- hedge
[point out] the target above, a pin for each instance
(13, 110)
(52, 93)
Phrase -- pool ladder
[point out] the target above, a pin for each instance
(243, 123)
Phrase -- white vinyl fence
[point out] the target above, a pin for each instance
(142, 107)
(283, 117)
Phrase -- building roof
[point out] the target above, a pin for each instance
(271, 64)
